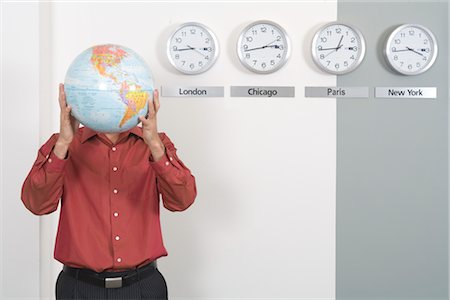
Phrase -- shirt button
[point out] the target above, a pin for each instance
(116, 214)
(49, 160)
(119, 259)
(117, 238)
(115, 191)
(113, 148)
(171, 158)
(114, 169)
(167, 163)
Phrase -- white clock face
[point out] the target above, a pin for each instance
(263, 47)
(192, 48)
(338, 48)
(411, 49)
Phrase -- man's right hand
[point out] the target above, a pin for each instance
(68, 126)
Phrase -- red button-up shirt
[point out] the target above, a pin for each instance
(109, 217)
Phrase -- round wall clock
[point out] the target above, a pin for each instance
(263, 47)
(411, 49)
(338, 48)
(193, 48)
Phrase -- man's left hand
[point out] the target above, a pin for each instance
(150, 129)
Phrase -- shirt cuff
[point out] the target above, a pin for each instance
(164, 164)
(54, 163)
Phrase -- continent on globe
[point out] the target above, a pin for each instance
(105, 56)
(108, 87)
(134, 98)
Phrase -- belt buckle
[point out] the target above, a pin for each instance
(113, 282)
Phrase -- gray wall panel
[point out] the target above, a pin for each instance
(392, 167)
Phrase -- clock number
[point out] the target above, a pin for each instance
(249, 39)
(338, 30)
(245, 47)
(263, 65)
(319, 48)
(425, 41)
(329, 32)
(322, 56)
(328, 62)
(178, 40)
(191, 66)
(200, 63)
(352, 40)
(394, 49)
(177, 56)
(272, 62)
(323, 39)
(183, 61)
(175, 48)
(281, 47)
(395, 57)
(254, 62)
(247, 55)
(279, 55)
(183, 33)
(254, 32)
(345, 63)
(352, 57)
(397, 41)
(418, 65)
(402, 34)
(193, 31)
(411, 32)
(207, 57)
(409, 67)
(279, 38)
(263, 29)
(336, 66)
(207, 40)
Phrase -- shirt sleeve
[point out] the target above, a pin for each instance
(174, 180)
(43, 187)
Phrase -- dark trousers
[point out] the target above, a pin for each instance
(153, 287)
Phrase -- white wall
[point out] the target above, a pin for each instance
(19, 140)
(263, 225)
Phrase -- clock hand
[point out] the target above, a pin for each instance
(339, 45)
(332, 48)
(265, 46)
(330, 52)
(411, 49)
(184, 49)
(196, 50)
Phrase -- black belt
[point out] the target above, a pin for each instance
(109, 279)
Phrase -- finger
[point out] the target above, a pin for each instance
(143, 120)
(151, 107)
(65, 114)
(156, 100)
(62, 97)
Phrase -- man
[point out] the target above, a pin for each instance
(109, 233)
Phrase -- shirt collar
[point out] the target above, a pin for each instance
(88, 133)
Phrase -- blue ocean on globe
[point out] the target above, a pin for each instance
(108, 87)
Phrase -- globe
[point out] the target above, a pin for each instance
(108, 88)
